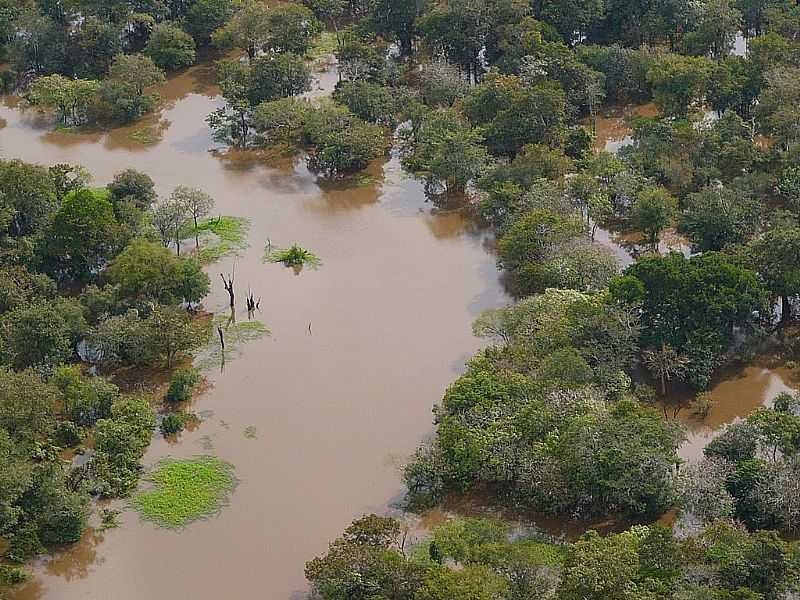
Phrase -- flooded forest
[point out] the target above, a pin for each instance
(504, 291)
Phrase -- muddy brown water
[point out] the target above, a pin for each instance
(335, 409)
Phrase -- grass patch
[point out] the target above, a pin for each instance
(220, 237)
(145, 136)
(325, 45)
(294, 256)
(236, 335)
(185, 491)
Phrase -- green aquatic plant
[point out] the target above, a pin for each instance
(293, 256)
(186, 490)
(220, 237)
(174, 423)
(250, 432)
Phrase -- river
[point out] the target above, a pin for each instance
(339, 393)
(336, 409)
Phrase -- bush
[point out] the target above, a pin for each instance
(12, 575)
(68, 434)
(173, 423)
(182, 385)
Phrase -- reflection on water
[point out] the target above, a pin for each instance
(734, 397)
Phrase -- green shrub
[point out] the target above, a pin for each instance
(173, 423)
(182, 385)
(68, 434)
(12, 575)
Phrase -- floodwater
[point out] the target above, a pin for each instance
(339, 393)
(732, 398)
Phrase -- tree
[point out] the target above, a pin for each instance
(699, 300)
(277, 76)
(714, 28)
(148, 271)
(196, 203)
(342, 142)
(120, 441)
(134, 186)
(232, 123)
(396, 20)
(170, 219)
(86, 399)
(665, 363)
(68, 178)
(292, 28)
(28, 197)
(20, 287)
(514, 114)
(777, 111)
(530, 242)
(37, 336)
(249, 28)
(204, 17)
(84, 236)
(70, 97)
(369, 101)
(441, 84)
(446, 150)
(128, 78)
(653, 212)
(364, 560)
(600, 567)
(474, 582)
(776, 257)
(457, 31)
(678, 82)
(170, 47)
(170, 332)
(27, 407)
(280, 121)
(718, 217)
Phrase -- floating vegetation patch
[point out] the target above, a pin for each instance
(293, 256)
(250, 432)
(236, 334)
(206, 443)
(220, 237)
(185, 491)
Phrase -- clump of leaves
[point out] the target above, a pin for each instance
(293, 256)
(250, 432)
(182, 385)
(174, 422)
(12, 575)
(109, 518)
(220, 237)
(702, 405)
(186, 490)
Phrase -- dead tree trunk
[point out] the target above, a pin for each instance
(228, 283)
